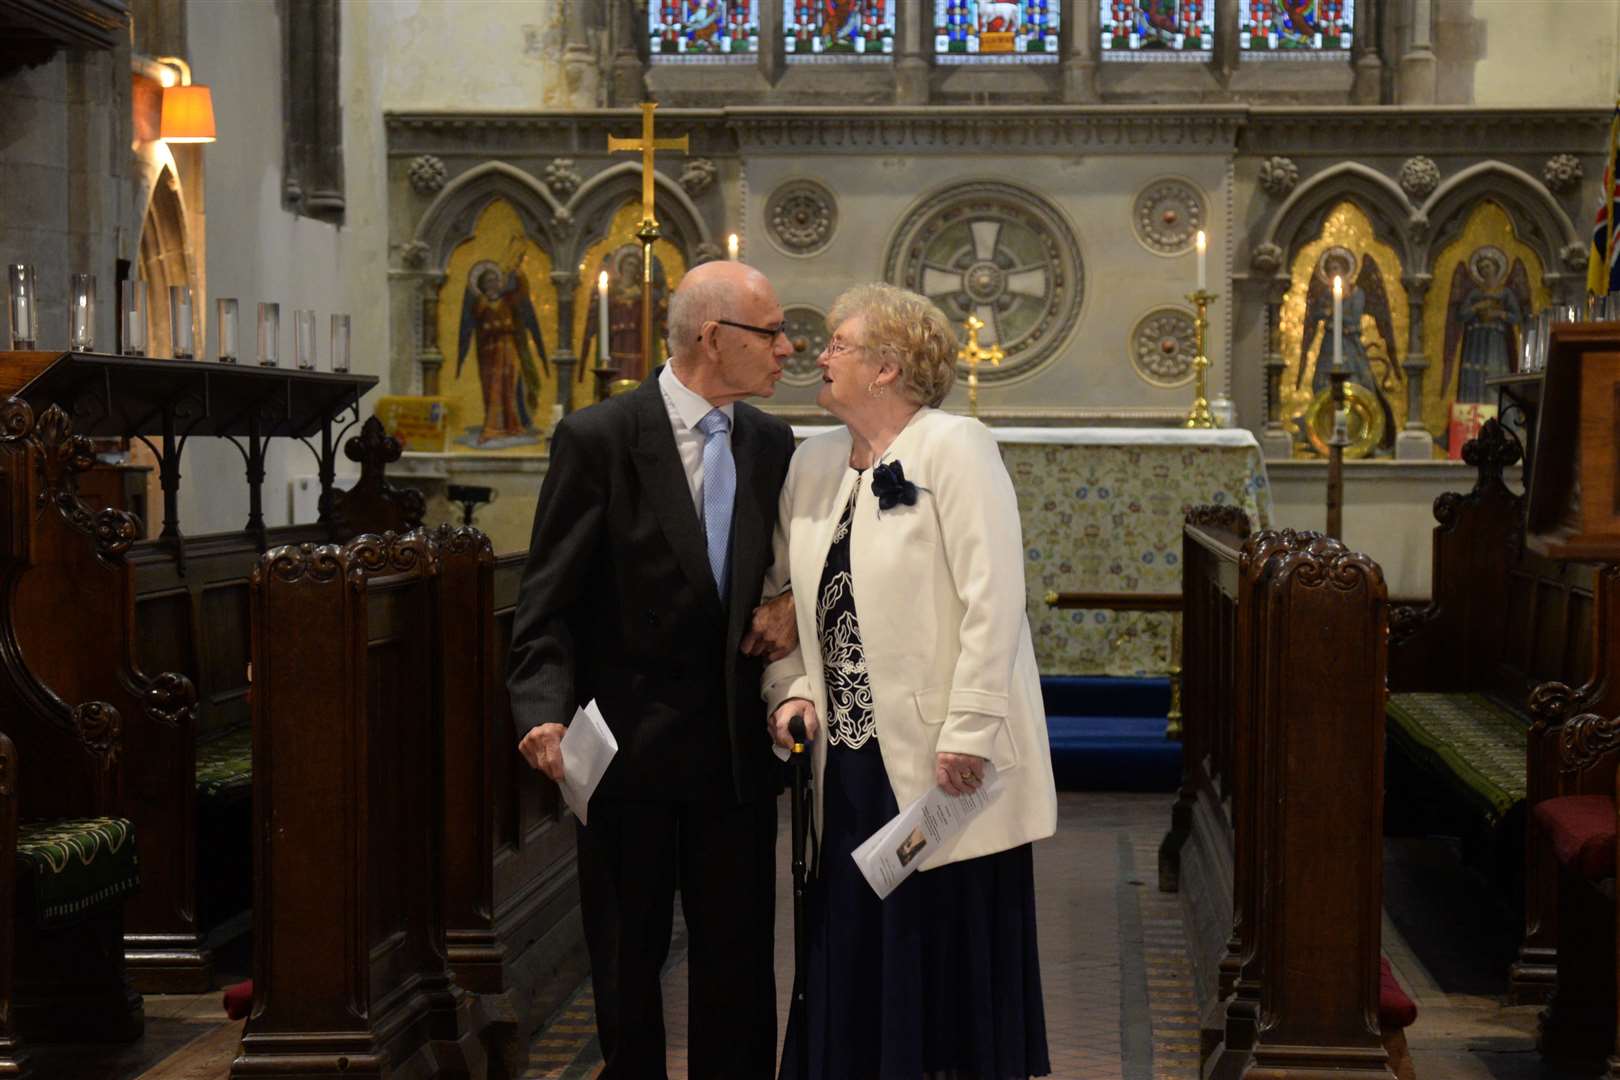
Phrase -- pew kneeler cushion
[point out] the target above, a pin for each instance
(1396, 1013)
(69, 869)
(1471, 742)
(1581, 830)
(224, 824)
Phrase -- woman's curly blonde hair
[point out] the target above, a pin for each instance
(911, 329)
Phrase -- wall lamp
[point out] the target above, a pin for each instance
(188, 111)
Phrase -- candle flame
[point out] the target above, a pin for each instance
(1338, 286)
(601, 281)
(731, 245)
(1203, 241)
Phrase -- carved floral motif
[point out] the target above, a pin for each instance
(1163, 345)
(1167, 214)
(171, 700)
(800, 217)
(698, 176)
(1419, 176)
(808, 325)
(1278, 175)
(1575, 256)
(1266, 258)
(1562, 173)
(562, 178)
(427, 174)
(414, 254)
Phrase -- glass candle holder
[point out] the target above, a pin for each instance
(82, 316)
(340, 343)
(269, 335)
(132, 309)
(225, 319)
(24, 305)
(304, 339)
(181, 340)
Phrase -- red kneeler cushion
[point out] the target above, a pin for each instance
(239, 999)
(1395, 1009)
(1581, 830)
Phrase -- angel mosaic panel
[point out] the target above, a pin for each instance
(1487, 283)
(1375, 323)
(837, 29)
(703, 30)
(1296, 26)
(497, 312)
(1157, 29)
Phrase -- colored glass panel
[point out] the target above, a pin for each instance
(978, 31)
(1295, 26)
(1167, 30)
(830, 31)
(703, 31)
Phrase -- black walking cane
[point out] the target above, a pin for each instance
(801, 943)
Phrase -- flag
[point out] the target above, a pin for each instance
(1603, 263)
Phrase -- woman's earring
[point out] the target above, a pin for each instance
(874, 390)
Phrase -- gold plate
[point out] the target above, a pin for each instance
(1364, 425)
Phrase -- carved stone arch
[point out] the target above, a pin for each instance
(453, 214)
(1537, 217)
(167, 258)
(1299, 218)
(596, 201)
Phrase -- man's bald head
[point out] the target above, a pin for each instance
(713, 290)
(724, 341)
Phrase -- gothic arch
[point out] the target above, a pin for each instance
(1385, 204)
(594, 204)
(167, 258)
(453, 214)
(1541, 222)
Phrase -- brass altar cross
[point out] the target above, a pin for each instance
(973, 354)
(647, 146)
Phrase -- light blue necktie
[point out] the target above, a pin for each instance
(719, 491)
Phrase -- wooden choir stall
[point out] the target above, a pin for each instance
(129, 736)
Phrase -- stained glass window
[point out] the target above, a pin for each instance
(981, 32)
(830, 31)
(1167, 30)
(703, 31)
(1295, 29)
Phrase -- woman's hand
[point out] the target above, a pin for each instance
(785, 712)
(959, 774)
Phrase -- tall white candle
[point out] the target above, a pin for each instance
(602, 317)
(731, 247)
(1202, 245)
(1338, 321)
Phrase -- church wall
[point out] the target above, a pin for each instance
(1553, 52)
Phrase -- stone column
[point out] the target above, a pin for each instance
(428, 357)
(1080, 61)
(581, 76)
(912, 66)
(566, 283)
(1418, 71)
(628, 85)
(1368, 87)
(1414, 442)
(1276, 442)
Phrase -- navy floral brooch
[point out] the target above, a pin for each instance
(891, 487)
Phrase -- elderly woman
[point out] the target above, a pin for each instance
(899, 533)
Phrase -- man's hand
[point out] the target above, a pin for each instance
(775, 630)
(787, 711)
(542, 749)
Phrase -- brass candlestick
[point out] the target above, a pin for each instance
(1199, 415)
(973, 354)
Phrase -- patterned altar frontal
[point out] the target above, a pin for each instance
(1101, 510)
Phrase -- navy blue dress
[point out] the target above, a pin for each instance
(941, 979)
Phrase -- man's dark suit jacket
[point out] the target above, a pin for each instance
(618, 602)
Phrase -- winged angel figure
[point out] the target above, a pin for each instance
(1365, 295)
(497, 317)
(1487, 306)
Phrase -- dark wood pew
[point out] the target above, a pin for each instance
(350, 972)
(1470, 752)
(512, 917)
(1283, 675)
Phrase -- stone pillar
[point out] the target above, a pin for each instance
(581, 76)
(1418, 71)
(1080, 62)
(566, 283)
(1368, 87)
(312, 159)
(629, 85)
(772, 53)
(1276, 442)
(913, 67)
(1414, 442)
(428, 356)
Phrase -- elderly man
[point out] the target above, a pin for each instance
(650, 544)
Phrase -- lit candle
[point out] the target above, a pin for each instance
(602, 318)
(1338, 320)
(731, 247)
(1202, 245)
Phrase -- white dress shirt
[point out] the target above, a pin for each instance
(685, 409)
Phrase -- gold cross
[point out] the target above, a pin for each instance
(973, 354)
(647, 146)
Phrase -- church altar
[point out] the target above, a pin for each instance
(1101, 510)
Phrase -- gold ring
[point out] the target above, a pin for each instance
(965, 777)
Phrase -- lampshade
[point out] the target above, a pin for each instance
(188, 115)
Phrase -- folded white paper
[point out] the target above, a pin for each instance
(933, 819)
(587, 748)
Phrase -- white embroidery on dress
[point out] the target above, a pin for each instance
(849, 691)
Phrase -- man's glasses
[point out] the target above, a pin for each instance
(770, 332)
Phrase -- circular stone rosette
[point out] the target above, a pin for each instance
(807, 324)
(1163, 345)
(1000, 252)
(1168, 214)
(800, 217)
